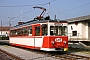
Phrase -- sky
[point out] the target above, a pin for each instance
(14, 11)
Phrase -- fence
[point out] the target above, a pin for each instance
(76, 37)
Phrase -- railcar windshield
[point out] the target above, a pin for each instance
(58, 30)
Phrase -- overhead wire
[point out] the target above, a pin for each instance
(69, 9)
(1, 1)
(57, 10)
(18, 16)
(29, 5)
(25, 12)
(43, 5)
(73, 8)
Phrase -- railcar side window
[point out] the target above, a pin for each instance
(37, 31)
(19, 32)
(12, 33)
(30, 30)
(44, 29)
(25, 31)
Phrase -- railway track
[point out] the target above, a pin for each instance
(14, 57)
(57, 55)
(62, 56)
(50, 54)
(72, 57)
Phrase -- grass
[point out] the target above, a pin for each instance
(79, 50)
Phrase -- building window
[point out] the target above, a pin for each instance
(71, 28)
(74, 33)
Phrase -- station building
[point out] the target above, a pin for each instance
(79, 28)
(79, 31)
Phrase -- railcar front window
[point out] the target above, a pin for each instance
(58, 30)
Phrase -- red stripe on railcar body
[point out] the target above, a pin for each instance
(25, 46)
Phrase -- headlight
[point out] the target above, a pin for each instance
(52, 42)
(64, 42)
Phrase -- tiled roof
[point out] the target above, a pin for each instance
(4, 28)
(82, 18)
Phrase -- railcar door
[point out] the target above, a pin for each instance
(37, 36)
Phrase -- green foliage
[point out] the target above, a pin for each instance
(4, 38)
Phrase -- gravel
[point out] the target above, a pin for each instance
(27, 55)
(4, 56)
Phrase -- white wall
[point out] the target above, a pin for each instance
(81, 28)
(4, 33)
(84, 30)
(87, 30)
(77, 28)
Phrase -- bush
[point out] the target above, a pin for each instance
(0, 38)
(4, 38)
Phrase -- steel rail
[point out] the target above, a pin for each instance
(11, 55)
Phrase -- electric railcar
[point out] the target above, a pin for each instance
(47, 35)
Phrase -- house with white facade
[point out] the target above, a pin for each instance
(79, 28)
(4, 31)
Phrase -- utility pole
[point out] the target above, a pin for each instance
(1, 28)
(49, 8)
(21, 16)
(9, 25)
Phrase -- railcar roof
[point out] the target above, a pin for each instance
(36, 21)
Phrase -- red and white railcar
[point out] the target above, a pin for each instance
(47, 35)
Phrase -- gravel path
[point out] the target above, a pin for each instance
(27, 55)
